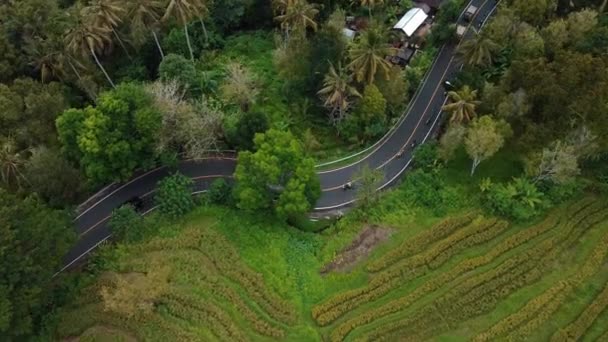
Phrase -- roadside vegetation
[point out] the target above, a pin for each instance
(498, 231)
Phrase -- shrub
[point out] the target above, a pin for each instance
(174, 196)
(240, 135)
(220, 192)
(126, 224)
(426, 156)
(428, 189)
(181, 70)
(520, 200)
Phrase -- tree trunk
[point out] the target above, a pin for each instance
(369, 11)
(74, 70)
(204, 31)
(160, 49)
(476, 162)
(188, 41)
(92, 96)
(603, 6)
(101, 67)
(122, 44)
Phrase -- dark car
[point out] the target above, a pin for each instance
(136, 202)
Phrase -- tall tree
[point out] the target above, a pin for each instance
(297, 16)
(484, 138)
(145, 16)
(367, 56)
(277, 176)
(11, 162)
(107, 13)
(368, 182)
(463, 105)
(184, 11)
(239, 86)
(337, 91)
(478, 51)
(33, 240)
(114, 138)
(86, 39)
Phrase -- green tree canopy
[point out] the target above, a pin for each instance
(113, 139)
(277, 176)
(174, 197)
(484, 138)
(33, 240)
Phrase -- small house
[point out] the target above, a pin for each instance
(411, 21)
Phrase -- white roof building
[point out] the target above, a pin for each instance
(348, 33)
(410, 22)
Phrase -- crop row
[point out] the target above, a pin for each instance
(191, 261)
(464, 267)
(575, 330)
(75, 322)
(226, 260)
(215, 319)
(537, 307)
(215, 286)
(591, 266)
(417, 243)
(415, 266)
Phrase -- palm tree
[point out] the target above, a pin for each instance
(478, 51)
(145, 15)
(85, 39)
(50, 58)
(184, 11)
(371, 3)
(10, 164)
(239, 86)
(463, 104)
(107, 13)
(367, 56)
(337, 91)
(296, 15)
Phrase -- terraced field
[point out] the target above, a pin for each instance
(211, 295)
(464, 268)
(467, 277)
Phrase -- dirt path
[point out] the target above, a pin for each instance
(358, 250)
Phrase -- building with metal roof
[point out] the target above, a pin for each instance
(411, 21)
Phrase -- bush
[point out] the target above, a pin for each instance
(181, 70)
(220, 192)
(520, 199)
(426, 156)
(240, 135)
(429, 190)
(126, 224)
(174, 197)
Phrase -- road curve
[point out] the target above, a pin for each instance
(419, 123)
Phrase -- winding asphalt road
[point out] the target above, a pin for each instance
(419, 122)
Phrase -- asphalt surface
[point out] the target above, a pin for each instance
(419, 123)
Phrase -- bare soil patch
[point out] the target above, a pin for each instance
(359, 249)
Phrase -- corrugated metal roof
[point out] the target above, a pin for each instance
(410, 22)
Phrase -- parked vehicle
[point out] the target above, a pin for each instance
(470, 13)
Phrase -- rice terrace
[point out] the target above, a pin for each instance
(303, 170)
(464, 277)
